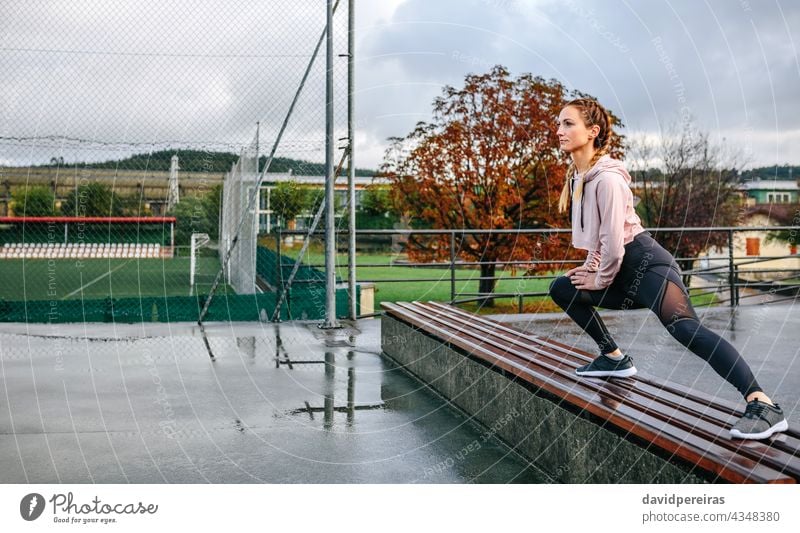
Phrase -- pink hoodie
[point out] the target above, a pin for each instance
(604, 221)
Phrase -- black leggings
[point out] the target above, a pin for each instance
(650, 278)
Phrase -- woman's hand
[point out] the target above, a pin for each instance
(570, 272)
(584, 279)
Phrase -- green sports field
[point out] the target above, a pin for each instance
(69, 279)
(437, 283)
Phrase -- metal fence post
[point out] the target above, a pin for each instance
(330, 321)
(452, 266)
(351, 169)
(731, 277)
(279, 272)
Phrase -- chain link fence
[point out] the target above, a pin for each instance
(155, 124)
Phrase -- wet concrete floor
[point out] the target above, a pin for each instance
(281, 403)
(290, 403)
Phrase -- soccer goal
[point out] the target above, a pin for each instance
(198, 241)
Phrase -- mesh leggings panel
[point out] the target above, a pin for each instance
(662, 291)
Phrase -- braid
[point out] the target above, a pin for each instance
(563, 201)
(593, 114)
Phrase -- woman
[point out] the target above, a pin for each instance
(627, 269)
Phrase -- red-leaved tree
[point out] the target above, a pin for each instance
(488, 159)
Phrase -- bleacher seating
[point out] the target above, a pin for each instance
(82, 251)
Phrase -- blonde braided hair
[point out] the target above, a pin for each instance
(592, 113)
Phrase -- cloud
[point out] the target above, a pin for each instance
(731, 68)
(204, 73)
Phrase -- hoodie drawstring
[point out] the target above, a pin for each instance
(571, 196)
(582, 197)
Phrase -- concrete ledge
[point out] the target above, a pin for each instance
(569, 446)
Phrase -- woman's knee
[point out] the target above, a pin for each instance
(686, 330)
(561, 288)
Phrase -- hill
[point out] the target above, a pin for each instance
(785, 172)
(202, 161)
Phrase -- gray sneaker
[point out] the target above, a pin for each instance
(760, 420)
(606, 367)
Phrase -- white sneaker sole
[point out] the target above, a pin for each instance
(628, 372)
(783, 425)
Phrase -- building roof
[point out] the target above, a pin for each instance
(362, 181)
(784, 214)
(770, 185)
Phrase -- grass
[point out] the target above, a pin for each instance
(437, 283)
(65, 279)
(41, 279)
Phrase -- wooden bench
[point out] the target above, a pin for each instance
(668, 419)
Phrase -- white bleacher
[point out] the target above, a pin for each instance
(79, 251)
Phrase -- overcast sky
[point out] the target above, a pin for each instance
(135, 76)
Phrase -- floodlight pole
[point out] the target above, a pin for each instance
(351, 168)
(330, 222)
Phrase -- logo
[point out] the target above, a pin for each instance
(31, 506)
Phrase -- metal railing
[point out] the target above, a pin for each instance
(728, 274)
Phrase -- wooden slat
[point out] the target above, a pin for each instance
(781, 455)
(653, 425)
(665, 414)
(726, 408)
(690, 401)
(676, 441)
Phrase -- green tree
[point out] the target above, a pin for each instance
(36, 201)
(376, 200)
(784, 215)
(212, 202)
(289, 199)
(192, 217)
(197, 214)
(93, 199)
(376, 208)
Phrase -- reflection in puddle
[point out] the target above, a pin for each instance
(329, 399)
